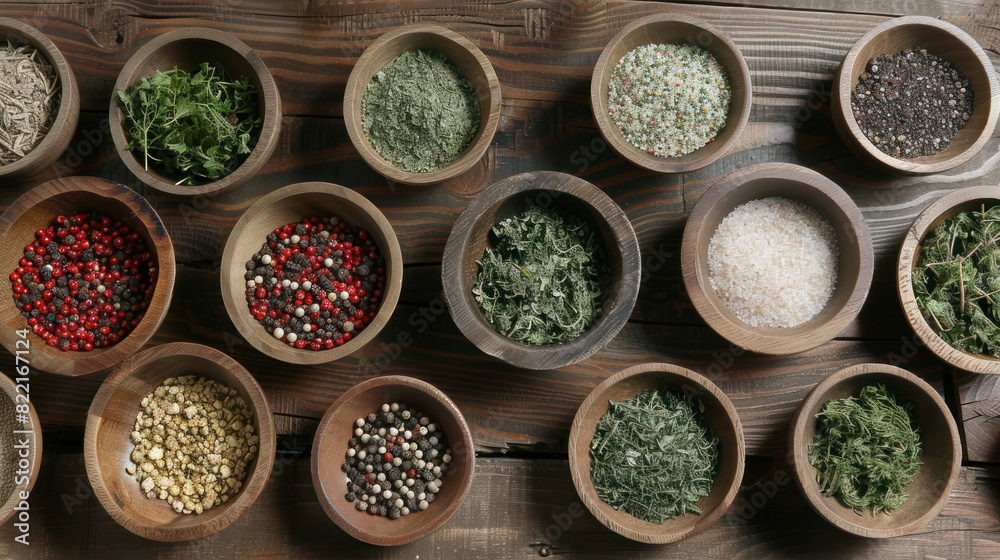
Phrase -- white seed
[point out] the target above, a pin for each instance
(295, 239)
(279, 332)
(266, 259)
(345, 295)
(328, 262)
(292, 337)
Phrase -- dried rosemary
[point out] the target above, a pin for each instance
(865, 450)
(652, 456)
(541, 283)
(29, 99)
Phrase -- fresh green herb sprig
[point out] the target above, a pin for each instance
(541, 282)
(652, 456)
(199, 126)
(865, 450)
(957, 281)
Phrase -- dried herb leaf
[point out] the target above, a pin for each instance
(29, 100)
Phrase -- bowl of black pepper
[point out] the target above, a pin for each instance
(916, 95)
(393, 460)
(311, 273)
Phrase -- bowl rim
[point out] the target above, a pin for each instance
(939, 210)
(469, 319)
(9, 387)
(596, 397)
(68, 113)
(253, 332)
(324, 428)
(270, 128)
(802, 469)
(612, 136)
(82, 363)
(352, 112)
(851, 130)
(698, 285)
(245, 497)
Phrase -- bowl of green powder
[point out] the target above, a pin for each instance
(422, 105)
(670, 93)
(656, 453)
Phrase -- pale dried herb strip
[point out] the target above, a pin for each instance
(865, 450)
(956, 280)
(652, 456)
(29, 100)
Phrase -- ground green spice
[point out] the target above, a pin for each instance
(652, 456)
(419, 112)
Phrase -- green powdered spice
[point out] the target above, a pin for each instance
(652, 456)
(865, 450)
(419, 112)
(956, 281)
(541, 282)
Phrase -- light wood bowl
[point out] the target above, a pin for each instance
(464, 55)
(186, 49)
(941, 39)
(941, 451)
(64, 126)
(107, 446)
(37, 209)
(909, 253)
(330, 449)
(471, 236)
(802, 185)
(667, 29)
(289, 205)
(719, 414)
(34, 458)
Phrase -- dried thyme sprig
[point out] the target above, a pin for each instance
(865, 450)
(29, 100)
(652, 456)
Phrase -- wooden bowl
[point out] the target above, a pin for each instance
(673, 28)
(37, 209)
(107, 446)
(32, 433)
(507, 198)
(460, 52)
(802, 185)
(289, 205)
(330, 448)
(186, 49)
(64, 126)
(941, 451)
(941, 39)
(719, 413)
(970, 198)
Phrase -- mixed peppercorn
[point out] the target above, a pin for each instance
(315, 284)
(84, 282)
(396, 462)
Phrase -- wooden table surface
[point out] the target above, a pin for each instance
(523, 504)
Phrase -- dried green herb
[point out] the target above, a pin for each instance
(541, 283)
(419, 112)
(957, 281)
(199, 126)
(29, 100)
(865, 450)
(652, 456)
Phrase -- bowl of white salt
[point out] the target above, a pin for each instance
(777, 258)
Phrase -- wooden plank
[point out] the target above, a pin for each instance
(980, 405)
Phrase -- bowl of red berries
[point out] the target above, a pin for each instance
(311, 273)
(90, 273)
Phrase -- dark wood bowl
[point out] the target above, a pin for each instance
(107, 446)
(37, 209)
(330, 448)
(941, 451)
(721, 416)
(186, 49)
(673, 28)
(460, 52)
(64, 126)
(941, 39)
(289, 205)
(970, 198)
(507, 198)
(22, 483)
(802, 185)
